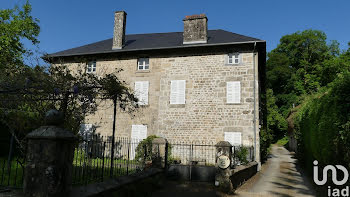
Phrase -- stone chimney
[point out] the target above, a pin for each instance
(119, 30)
(195, 29)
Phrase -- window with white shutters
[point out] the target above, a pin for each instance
(177, 91)
(138, 133)
(235, 138)
(141, 92)
(233, 91)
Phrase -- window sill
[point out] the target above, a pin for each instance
(240, 64)
(143, 106)
(143, 71)
(177, 105)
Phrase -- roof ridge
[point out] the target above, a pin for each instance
(171, 32)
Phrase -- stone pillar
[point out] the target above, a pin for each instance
(50, 153)
(159, 146)
(223, 166)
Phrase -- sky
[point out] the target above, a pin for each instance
(67, 24)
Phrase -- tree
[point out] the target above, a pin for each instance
(296, 66)
(276, 123)
(16, 25)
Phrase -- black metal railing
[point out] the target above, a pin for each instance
(204, 153)
(94, 162)
(12, 165)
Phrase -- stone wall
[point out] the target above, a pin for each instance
(204, 117)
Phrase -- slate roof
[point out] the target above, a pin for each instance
(135, 42)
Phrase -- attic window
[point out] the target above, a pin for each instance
(233, 58)
(143, 64)
(91, 67)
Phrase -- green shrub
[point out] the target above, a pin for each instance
(241, 154)
(322, 125)
(147, 144)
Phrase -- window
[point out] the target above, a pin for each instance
(143, 64)
(138, 133)
(177, 91)
(91, 67)
(141, 92)
(233, 58)
(233, 91)
(235, 138)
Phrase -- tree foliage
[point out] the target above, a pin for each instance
(306, 71)
(27, 93)
(16, 25)
(297, 66)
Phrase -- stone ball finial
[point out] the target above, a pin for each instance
(54, 117)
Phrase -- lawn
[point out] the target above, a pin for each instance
(89, 170)
(11, 175)
(283, 141)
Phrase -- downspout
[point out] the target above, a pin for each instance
(254, 95)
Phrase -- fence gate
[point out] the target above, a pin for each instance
(192, 161)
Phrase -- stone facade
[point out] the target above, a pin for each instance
(204, 117)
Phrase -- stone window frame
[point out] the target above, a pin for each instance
(145, 66)
(91, 67)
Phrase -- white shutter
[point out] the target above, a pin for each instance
(235, 138)
(138, 133)
(177, 92)
(173, 92)
(141, 92)
(181, 91)
(233, 92)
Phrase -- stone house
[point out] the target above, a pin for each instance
(195, 85)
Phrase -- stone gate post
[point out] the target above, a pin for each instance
(223, 166)
(159, 146)
(49, 158)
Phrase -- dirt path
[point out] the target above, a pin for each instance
(278, 177)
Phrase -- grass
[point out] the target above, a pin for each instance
(283, 141)
(11, 175)
(88, 170)
(85, 170)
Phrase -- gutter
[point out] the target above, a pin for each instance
(254, 116)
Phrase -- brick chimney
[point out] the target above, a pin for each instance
(119, 30)
(195, 29)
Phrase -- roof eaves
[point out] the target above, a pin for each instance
(156, 48)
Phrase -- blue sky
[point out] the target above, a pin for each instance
(70, 23)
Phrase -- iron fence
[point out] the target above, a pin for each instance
(93, 159)
(204, 153)
(12, 164)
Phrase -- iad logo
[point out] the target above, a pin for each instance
(335, 191)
